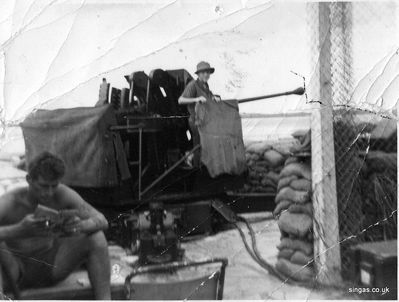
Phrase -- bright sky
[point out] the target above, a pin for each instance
(55, 52)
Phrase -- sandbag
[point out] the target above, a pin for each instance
(250, 163)
(283, 147)
(297, 245)
(299, 134)
(268, 182)
(298, 257)
(262, 172)
(273, 157)
(294, 271)
(281, 206)
(305, 144)
(254, 182)
(285, 181)
(299, 169)
(259, 147)
(259, 169)
(295, 224)
(248, 156)
(253, 175)
(291, 159)
(306, 208)
(262, 189)
(254, 156)
(263, 163)
(273, 176)
(283, 235)
(288, 193)
(285, 253)
(301, 185)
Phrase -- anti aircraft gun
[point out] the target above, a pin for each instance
(157, 136)
(133, 152)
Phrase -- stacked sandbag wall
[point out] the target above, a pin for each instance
(265, 161)
(294, 213)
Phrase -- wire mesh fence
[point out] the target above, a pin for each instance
(365, 146)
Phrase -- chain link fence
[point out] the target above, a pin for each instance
(365, 145)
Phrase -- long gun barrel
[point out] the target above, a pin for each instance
(298, 91)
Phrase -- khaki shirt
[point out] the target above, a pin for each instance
(195, 89)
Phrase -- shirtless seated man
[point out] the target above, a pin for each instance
(33, 252)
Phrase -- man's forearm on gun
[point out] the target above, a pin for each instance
(184, 101)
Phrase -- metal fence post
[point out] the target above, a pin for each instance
(326, 226)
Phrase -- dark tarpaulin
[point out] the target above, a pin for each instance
(182, 78)
(222, 146)
(93, 154)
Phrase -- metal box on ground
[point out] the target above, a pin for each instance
(374, 268)
(202, 280)
(196, 218)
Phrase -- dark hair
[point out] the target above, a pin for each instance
(46, 165)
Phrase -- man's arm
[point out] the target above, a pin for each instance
(90, 221)
(189, 95)
(24, 228)
(186, 101)
(6, 231)
(10, 232)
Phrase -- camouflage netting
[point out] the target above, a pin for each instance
(366, 184)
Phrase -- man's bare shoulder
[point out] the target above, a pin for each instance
(12, 201)
(67, 195)
(15, 195)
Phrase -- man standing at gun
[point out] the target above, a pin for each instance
(216, 125)
(198, 92)
(32, 253)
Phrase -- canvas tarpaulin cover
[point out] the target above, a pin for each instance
(222, 145)
(93, 154)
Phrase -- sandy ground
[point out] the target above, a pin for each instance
(245, 279)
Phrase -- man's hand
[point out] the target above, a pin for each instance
(69, 213)
(72, 226)
(217, 98)
(201, 99)
(32, 226)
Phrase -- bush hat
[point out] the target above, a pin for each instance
(204, 66)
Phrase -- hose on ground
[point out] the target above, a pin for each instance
(254, 253)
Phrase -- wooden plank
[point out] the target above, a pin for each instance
(325, 227)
